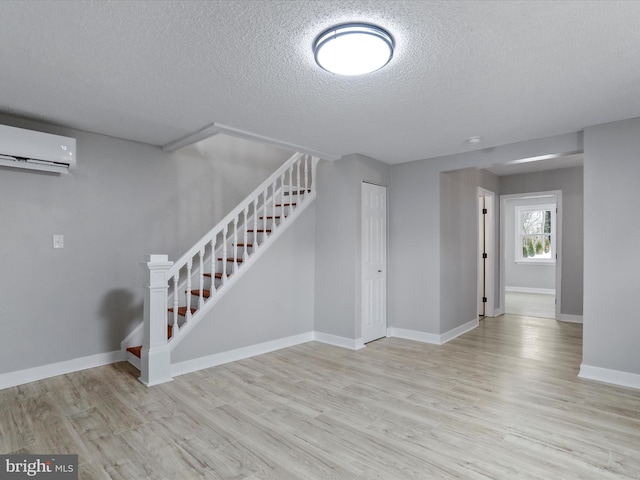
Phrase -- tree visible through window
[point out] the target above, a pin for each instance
(535, 235)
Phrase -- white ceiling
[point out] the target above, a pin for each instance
(158, 71)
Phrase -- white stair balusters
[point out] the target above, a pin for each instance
(245, 223)
(224, 254)
(176, 303)
(235, 245)
(187, 293)
(264, 216)
(312, 182)
(214, 263)
(297, 183)
(274, 223)
(306, 176)
(201, 278)
(255, 226)
(290, 188)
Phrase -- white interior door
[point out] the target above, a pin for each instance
(374, 262)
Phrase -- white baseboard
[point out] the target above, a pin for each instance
(133, 360)
(28, 375)
(221, 358)
(566, 317)
(432, 338)
(615, 377)
(350, 343)
(456, 332)
(547, 291)
(415, 335)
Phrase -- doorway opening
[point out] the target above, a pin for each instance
(531, 233)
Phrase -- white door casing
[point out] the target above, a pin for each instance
(486, 244)
(374, 262)
(503, 239)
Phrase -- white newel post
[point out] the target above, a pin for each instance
(156, 356)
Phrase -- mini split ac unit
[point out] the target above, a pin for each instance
(33, 150)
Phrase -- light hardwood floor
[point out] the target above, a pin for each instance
(532, 304)
(501, 402)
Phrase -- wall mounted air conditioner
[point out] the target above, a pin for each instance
(33, 150)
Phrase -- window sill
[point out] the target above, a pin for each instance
(535, 262)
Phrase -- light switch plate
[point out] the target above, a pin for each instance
(58, 241)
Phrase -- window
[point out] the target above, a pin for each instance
(536, 233)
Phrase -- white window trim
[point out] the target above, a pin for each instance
(518, 240)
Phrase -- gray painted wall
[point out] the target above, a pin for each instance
(611, 280)
(415, 296)
(570, 181)
(459, 243)
(124, 200)
(338, 242)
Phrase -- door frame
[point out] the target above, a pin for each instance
(490, 248)
(503, 253)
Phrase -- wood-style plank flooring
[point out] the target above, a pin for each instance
(530, 304)
(501, 402)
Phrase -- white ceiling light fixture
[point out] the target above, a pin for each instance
(353, 49)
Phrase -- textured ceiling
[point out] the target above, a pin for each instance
(158, 71)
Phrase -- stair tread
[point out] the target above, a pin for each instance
(183, 311)
(231, 259)
(295, 192)
(205, 293)
(270, 217)
(218, 275)
(244, 245)
(292, 204)
(260, 230)
(137, 350)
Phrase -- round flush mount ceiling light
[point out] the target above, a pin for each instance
(353, 49)
(474, 140)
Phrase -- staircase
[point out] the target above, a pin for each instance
(179, 294)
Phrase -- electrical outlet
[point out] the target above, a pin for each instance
(58, 241)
